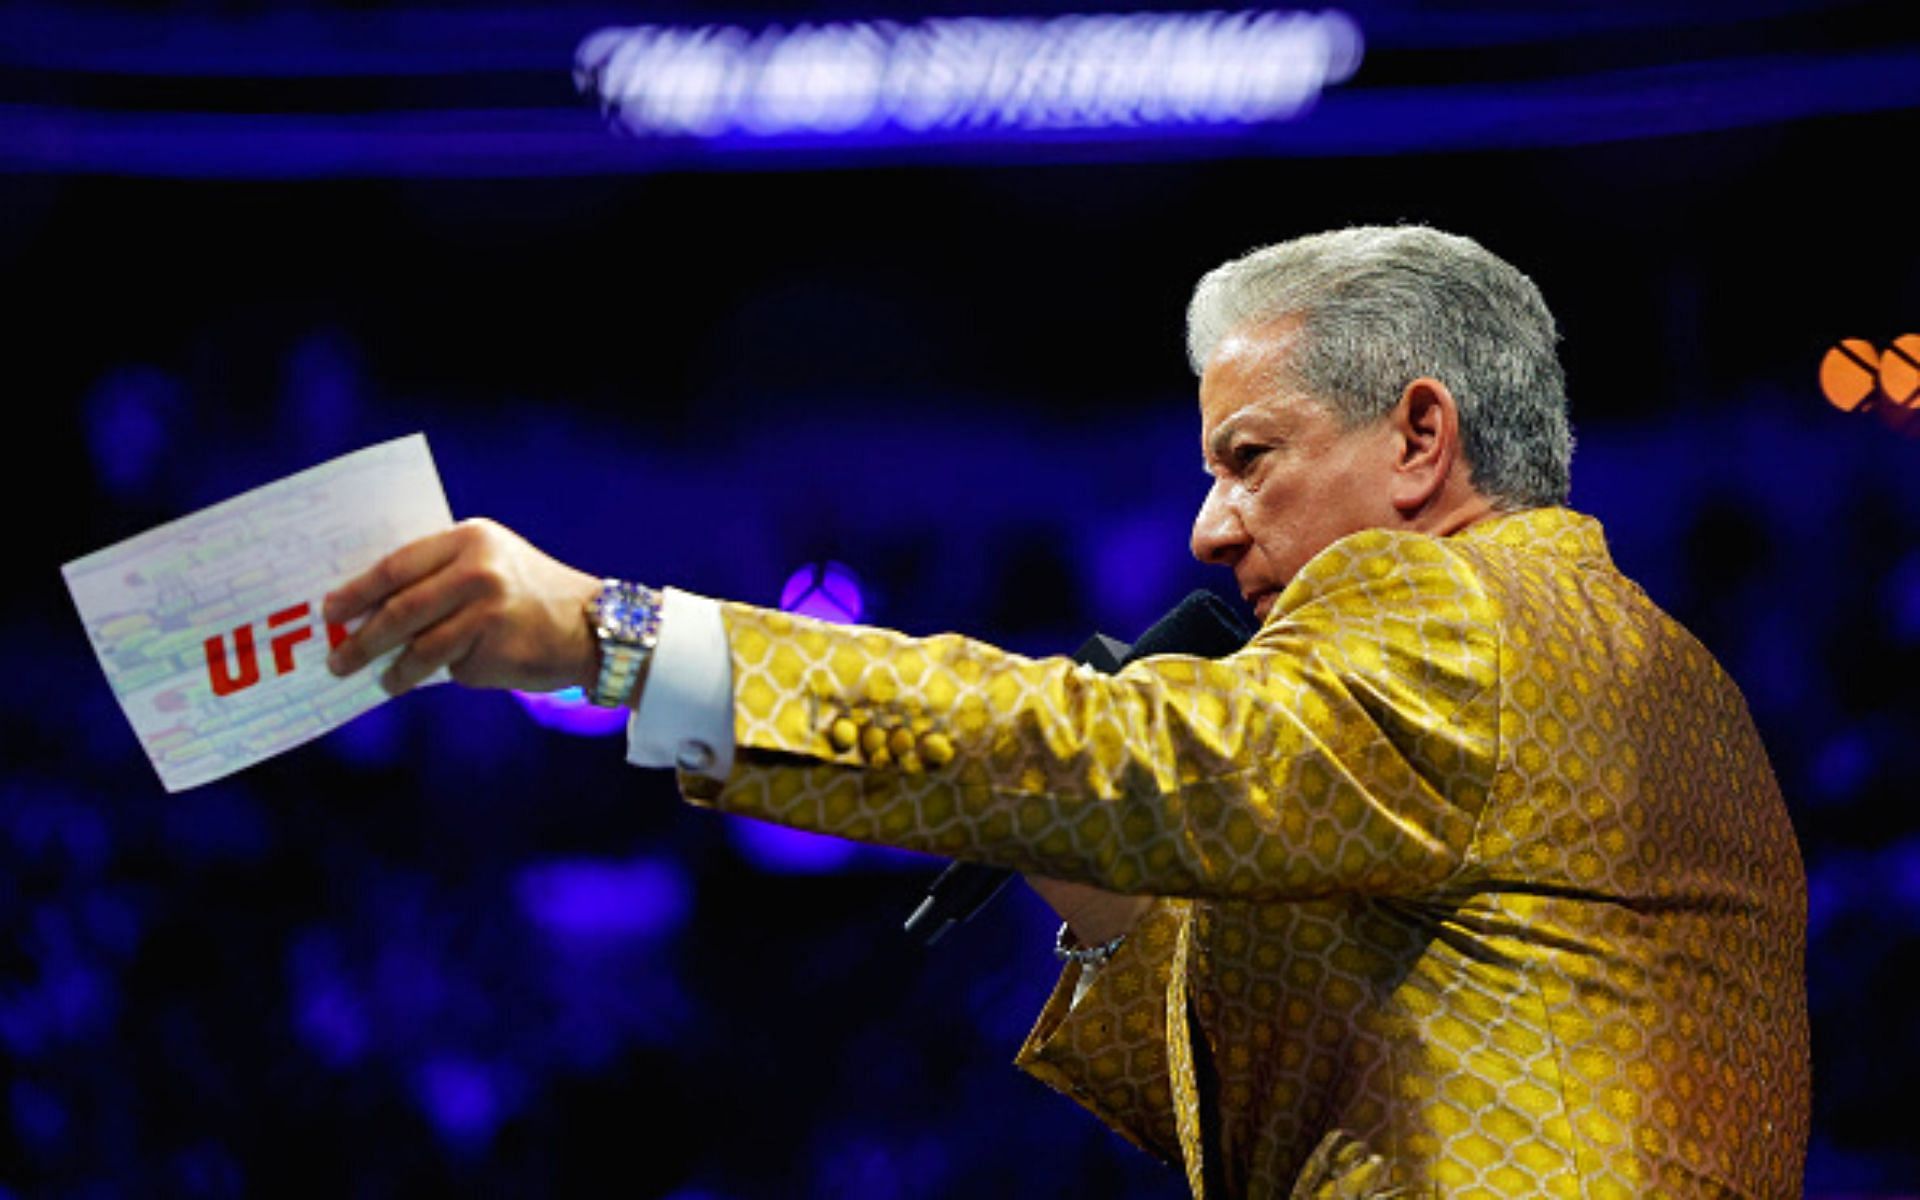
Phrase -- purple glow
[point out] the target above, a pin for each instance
(461, 1098)
(129, 413)
(605, 901)
(323, 388)
(1827, 897)
(81, 999)
(827, 591)
(371, 739)
(784, 851)
(71, 1002)
(22, 1032)
(51, 829)
(1132, 570)
(1843, 766)
(569, 711)
(330, 1016)
(1902, 862)
(333, 1023)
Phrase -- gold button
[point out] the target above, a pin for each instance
(900, 742)
(873, 740)
(843, 733)
(937, 749)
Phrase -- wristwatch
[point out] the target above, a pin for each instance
(625, 618)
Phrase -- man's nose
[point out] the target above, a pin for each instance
(1218, 536)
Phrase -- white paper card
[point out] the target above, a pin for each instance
(209, 627)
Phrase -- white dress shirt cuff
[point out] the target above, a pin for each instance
(1084, 983)
(685, 717)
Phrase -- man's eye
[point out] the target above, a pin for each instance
(1245, 456)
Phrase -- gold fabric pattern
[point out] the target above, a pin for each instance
(1477, 879)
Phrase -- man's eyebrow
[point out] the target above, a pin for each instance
(1217, 441)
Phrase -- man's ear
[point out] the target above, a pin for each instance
(1426, 441)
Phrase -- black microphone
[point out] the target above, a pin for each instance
(1201, 625)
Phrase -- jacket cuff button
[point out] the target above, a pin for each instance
(843, 733)
(936, 749)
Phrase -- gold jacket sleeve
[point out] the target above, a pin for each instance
(1347, 749)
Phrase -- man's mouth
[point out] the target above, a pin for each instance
(1262, 601)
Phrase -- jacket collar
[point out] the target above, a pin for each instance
(1560, 532)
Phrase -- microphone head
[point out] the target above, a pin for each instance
(1102, 653)
(1201, 625)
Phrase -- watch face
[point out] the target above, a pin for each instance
(623, 613)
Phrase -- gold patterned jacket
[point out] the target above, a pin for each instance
(1473, 877)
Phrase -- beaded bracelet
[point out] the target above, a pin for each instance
(1084, 955)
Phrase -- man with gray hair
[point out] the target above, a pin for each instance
(1466, 875)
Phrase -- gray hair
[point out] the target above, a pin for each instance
(1381, 306)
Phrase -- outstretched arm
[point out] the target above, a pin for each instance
(496, 611)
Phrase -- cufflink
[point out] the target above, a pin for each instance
(694, 756)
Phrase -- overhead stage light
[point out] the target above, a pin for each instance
(968, 76)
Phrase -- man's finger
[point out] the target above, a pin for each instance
(402, 616)
(443, 645)
(396, 571)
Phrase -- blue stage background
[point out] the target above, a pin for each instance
(448, 950)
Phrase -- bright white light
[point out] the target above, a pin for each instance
(968, 73)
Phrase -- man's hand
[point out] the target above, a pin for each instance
(1095, 916)
(478, 600)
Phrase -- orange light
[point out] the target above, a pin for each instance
(1849, 373)
(1900, 371)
